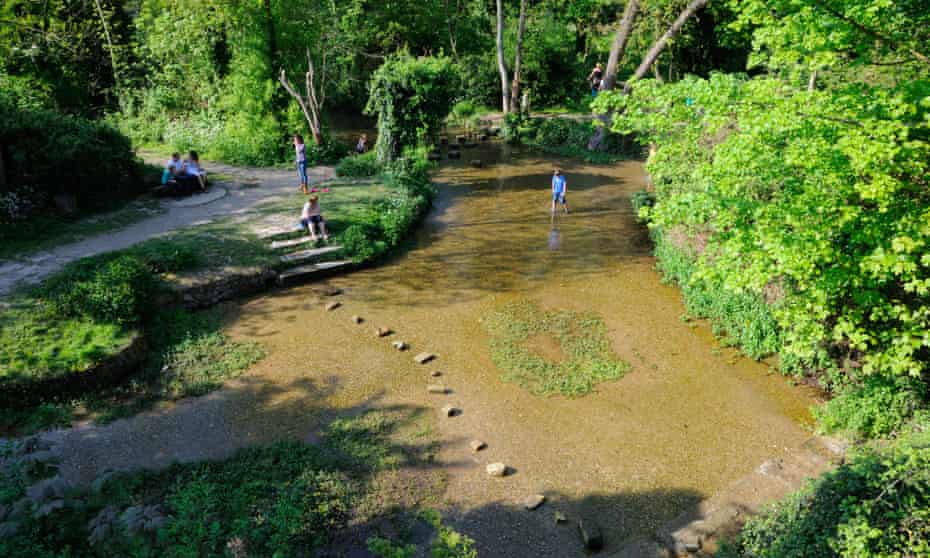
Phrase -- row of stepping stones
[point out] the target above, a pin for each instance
(590, 534)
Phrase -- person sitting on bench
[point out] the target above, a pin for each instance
(193, 171)
(311, 218)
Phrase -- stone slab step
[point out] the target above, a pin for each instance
(312, 271)
(304, 255)
(289, 243)
(271, 232)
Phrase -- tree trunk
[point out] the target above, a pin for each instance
(310, 104)
(106, 34)
(518, 58)
(657, 73)
(501, 63)
(812, 82)
(647, 63)
(654, 52)
(618, 48)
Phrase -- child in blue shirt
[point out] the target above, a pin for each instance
(559, 188)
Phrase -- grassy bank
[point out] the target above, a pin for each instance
(567, 136)
(53, 333)
(289, 499)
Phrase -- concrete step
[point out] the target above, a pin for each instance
(290, 243)
(312, 271)
(304, 255)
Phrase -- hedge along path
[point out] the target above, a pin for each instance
(240, 201)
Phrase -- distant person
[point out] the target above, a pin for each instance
(300, 150)
(312, 218)
(559, 189)
(193, 171)
(595, 77)
(362, 145)
(173, 168)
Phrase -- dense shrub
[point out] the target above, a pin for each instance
(411, 97)
(359, 166)
(569, 137)
(877, 504)
(811, 200)
(50, 154)
(878, 406)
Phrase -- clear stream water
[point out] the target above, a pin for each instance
(686, 421)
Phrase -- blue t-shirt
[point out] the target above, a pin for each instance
(558, 184)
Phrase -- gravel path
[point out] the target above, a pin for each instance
(242, 197)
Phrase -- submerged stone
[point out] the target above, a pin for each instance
(534, 501)
(477, 445)
(423, 358)
(496, 469)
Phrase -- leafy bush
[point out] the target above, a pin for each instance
(359, 166)
(876, 407)
(877, 504)
(812, 200)
(411, 97)
(47, 154)
(362, 241)
(118, 292)
(641, 201)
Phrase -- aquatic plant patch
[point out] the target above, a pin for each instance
(587, 357)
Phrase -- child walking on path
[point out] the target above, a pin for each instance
(559, 188)
(301, 152)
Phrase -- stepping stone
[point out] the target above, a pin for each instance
(454, 155)
(289, 243)
(304, 255)
(477, 445)
(311, 271)
(435, 373)
(534, 501)
(400, 345)
(591, 535)
(357, 319)
(436, 388)
(476, 163)
(450, 411)
(423, 358)
(496, 470)
(332, 306)
(383, 332)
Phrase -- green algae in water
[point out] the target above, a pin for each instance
(586, 356)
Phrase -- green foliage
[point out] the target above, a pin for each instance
(743, 318)
(48, 154)
(359, 166)
(586, 355)
(642, 201)
(876, 504)
(192, 357)
(567, 137)
(876, 408)
(813, 200)
(411, 98)
(286, 499)
(119, 292)
(382, 227)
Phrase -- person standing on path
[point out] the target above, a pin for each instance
(595, 78)
(559, 189)
(301, 151)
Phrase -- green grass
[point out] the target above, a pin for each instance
(286, 499)
(50, 231)
(37, 345)
(586, 355)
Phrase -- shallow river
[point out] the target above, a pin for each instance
(687, 420)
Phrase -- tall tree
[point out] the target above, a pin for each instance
(501, 61)
(648, 62)
(518, 58)
(692, 8)
(618, 48)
